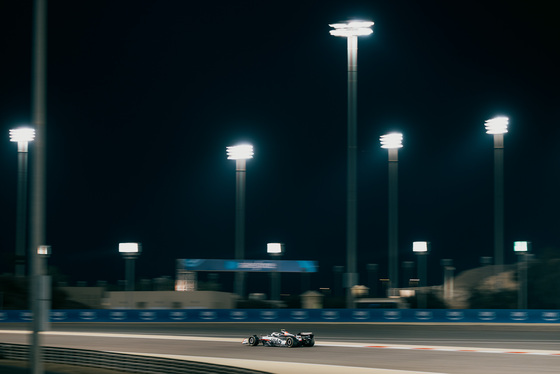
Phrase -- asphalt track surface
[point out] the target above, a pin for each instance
(340, 348)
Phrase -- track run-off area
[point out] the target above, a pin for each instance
(381, 348)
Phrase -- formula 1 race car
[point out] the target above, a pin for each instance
(282, 339)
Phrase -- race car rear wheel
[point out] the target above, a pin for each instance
(309, 343)
(253, 340)
(290, 342)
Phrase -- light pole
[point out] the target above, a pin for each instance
(407, 269)
(421, 249)
(275, 250)
(338, 271)
(351, 30)
(240, 153)
(40, 304)
(498, 127)
(448, 269)
(130, 252)
(522, 249)
(39, 122)
(372, 279)
(392, 142)
(22, 136)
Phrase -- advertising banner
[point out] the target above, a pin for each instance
(283, 266)
(293, 315)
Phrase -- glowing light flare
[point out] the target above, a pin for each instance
(22, 134)
(44, 250)
(420, 247)
(130, 248)
(352, 28)
(497, 125)
(392, 140)
(275, 248)
(240, 152)
(521, 246)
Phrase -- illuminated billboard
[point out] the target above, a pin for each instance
(281, 266)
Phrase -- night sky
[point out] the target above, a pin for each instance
(144, 97)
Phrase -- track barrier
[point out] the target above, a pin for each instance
(292, 315)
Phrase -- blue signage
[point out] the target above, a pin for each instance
(281, 266)
(293, 315)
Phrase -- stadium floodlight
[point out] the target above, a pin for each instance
(240, 152)
(522, 250)
(275, 248)
(44, 250)
(130, 249)
(391, 141)
(22, 136)
(351, 30)
(497, 125)
(130, 252)
(521, 247)
(419, 247)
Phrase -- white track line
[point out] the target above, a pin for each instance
(282, 367)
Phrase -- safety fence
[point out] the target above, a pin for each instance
(117, 361)
(293, 315)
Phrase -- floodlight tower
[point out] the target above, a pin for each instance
(130, 252)
(498, 127)
(351, 30)
(21, 135)
(240, 153)
(421, 249)
(392, 142)
(275, 250)
(522, 249)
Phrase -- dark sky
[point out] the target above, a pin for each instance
(144, 97)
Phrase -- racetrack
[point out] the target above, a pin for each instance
(449, 348)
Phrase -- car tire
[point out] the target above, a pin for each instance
(253, 340)
(290, 342)
(310, 343)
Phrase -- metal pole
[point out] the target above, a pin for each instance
(39, 83)
(522, 271)
(240, 174)
(447, 265)
(305, 281)
(129, 264)
(275, 280)
(393, 221)
(422, 274)
(407, 266)
(499, 204)
(21, 219)
(372, 279)
(338, 282)
(274, 285)
(352, 199)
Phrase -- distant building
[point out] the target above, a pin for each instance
(90, 297)
(169, 300)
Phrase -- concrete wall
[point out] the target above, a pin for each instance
(169, 300)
